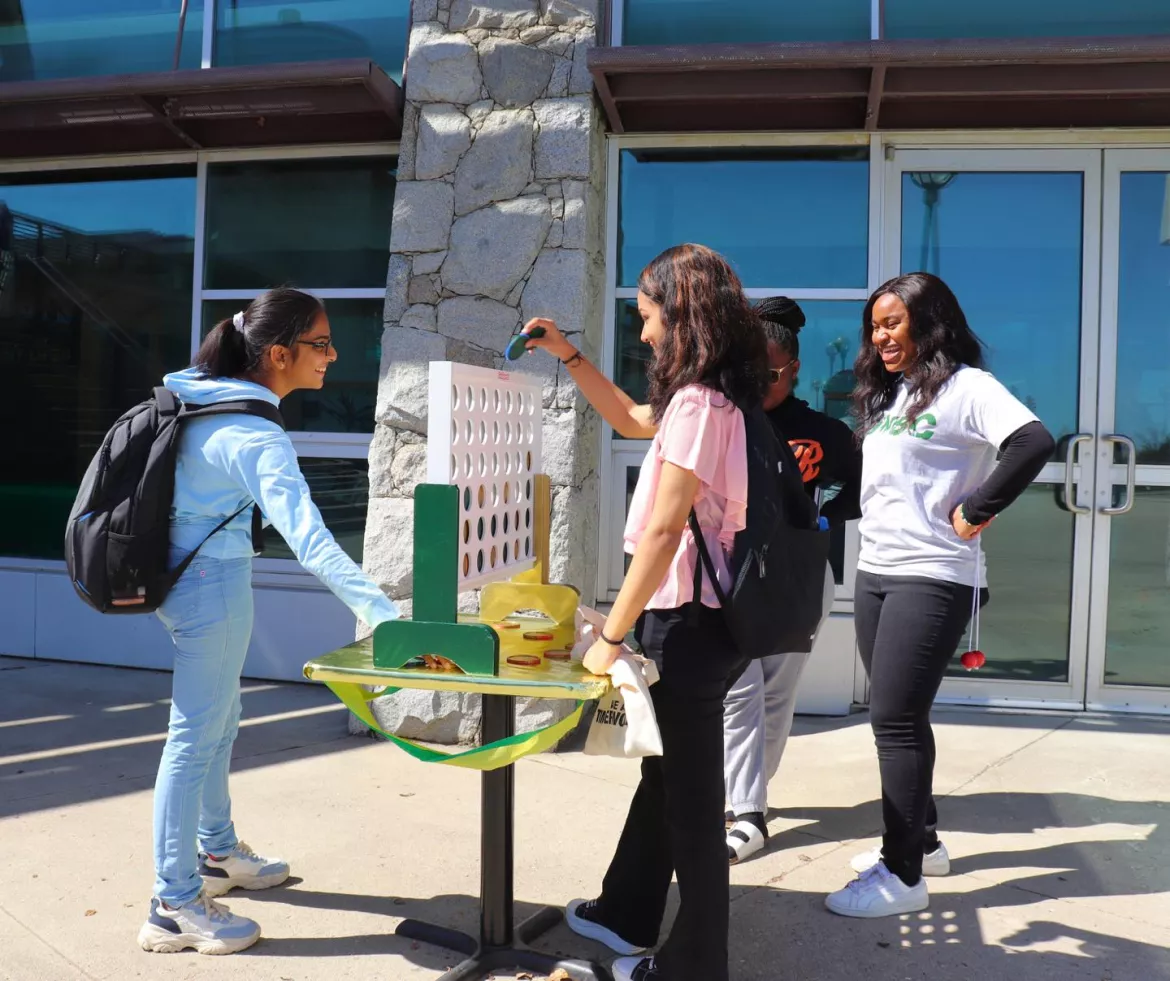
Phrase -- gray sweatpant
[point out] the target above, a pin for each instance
(757, 718)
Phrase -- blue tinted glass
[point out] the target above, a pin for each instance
(1009, 245)
(1143, 316)
(261, 32)
(1036, 18)
(42, 39)
(346, 403)
(784, 217)
(710, 21)
(95, 305)
(341, 491)
(828, 347)
(312, 223)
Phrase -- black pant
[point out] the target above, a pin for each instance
(675, 823)
(908, 629)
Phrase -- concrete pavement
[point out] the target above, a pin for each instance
(1059, 828)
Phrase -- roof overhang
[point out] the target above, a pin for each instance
(886, 85)
(212, 108)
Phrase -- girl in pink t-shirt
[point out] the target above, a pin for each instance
(709, 359)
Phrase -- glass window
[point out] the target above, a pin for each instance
(783, 217)
(1036, 18)
(95, 303)
(828, 347)
(41, 39)
(341, 491)
(261, 32)
(1009, 245)
(314, 223)
(711, 21)
(1143, 316)
(346, 403)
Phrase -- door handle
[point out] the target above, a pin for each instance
(1070, 492)
(1130, 475)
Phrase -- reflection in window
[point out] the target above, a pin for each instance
(1024, 628)
(1138, 618)
(1036, 18)
(1009, 245)
(783, 217)
(712, 21)
(828, 348)
(1143, 316)
(95, 303)
(41, 39)
(341, 491)
(346, 403)
(319, 222)
(261, 32)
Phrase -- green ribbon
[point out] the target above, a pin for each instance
(502, 752)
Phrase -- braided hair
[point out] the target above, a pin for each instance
(782, 319)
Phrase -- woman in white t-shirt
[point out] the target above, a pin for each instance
(933, 422)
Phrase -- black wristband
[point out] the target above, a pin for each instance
(612, 643)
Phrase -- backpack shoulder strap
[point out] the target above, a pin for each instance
(247, 407)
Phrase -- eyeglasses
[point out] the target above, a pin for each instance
(777, 373)
(321, 346)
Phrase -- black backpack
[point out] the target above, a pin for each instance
(118, 535)
(778, 561)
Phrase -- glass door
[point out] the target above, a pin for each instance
(1016, 234)
(1129, 637)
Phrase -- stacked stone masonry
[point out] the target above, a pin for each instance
(497, 218)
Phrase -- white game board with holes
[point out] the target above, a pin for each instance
(483, 436)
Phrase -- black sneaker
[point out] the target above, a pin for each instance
(635, 969)
(581, 917)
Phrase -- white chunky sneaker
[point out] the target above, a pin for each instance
(935, 863)
(241, 868)
(202, 923)
(878, 892)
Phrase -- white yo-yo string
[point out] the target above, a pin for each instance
(973, 628)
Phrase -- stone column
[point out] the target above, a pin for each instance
(497, 218)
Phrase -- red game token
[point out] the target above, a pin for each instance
(558, 655)
(505, 625)
(537, 635)
(524, 660)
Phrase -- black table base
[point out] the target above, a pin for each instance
(501, 944)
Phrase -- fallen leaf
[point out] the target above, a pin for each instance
(523, 976)
(560, 974)
(91, 912)
(883, 943)
(406, 795)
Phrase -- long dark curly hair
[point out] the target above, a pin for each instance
(944, 340)
(712, 337)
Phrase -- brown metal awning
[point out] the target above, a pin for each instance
(886, 85)
(211, 108)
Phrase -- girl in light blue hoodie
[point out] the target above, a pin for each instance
(279, 344)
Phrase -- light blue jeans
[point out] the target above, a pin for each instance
(209, 617)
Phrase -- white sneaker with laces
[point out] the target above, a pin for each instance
(878, 892)
(935, 863)
(202, 923)
(241, 868)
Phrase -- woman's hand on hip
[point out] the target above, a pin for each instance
(963, 528)
(553, 340)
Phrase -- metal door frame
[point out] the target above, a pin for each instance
(975, 690)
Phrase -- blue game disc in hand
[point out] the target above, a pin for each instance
(516, 346)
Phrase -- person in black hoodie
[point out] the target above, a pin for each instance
(757, 713)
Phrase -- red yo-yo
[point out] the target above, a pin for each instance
(973, 660)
